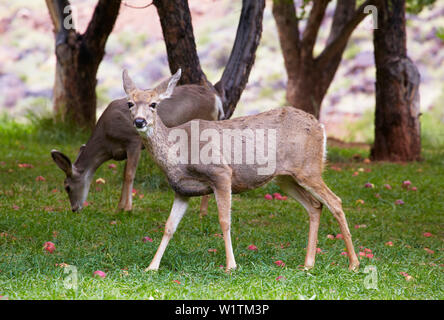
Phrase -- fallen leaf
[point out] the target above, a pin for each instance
(177, 281)
(147, 239)
(40, 178)
(49, 247)
(100, 181)
(252, 247)
(112, 166)
(99, 273)
(339, 236)
(399, 202)
(389, 244)
(268, 197)
(279, 263)
(429, 250)
(427, 234)
(212, 250)
(330, 236)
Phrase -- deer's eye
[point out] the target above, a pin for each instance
(130, 104)
(153, 105)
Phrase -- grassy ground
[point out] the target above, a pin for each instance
(99, 238)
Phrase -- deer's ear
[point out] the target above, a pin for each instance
(62, 162)
(166, 88)
(128, 84)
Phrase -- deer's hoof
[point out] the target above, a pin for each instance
(151, 269)
(354, 266)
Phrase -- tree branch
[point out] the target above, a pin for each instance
(101, 25)
(287, 22)
(314, 22)
(338, 44)
(236, 73)
(58, 14)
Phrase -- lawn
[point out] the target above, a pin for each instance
(406, 241)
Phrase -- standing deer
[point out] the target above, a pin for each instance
(296, 163)
(114, 137)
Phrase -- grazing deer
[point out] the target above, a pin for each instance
(296, 148)
(114, 137)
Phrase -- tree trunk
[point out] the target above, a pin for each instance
(78, 59)
(310, 77)
(397, 125)
(175, 18)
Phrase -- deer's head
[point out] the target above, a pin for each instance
(75, 181)
(143, 103)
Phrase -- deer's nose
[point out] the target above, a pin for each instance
(140, 123)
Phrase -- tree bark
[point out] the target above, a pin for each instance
(78, 58)
(310, 77)
(397, 125)
(175, 18)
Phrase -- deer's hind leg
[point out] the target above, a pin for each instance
(319, 190)
(204, 206)
(314, 209)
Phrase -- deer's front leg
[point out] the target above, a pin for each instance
(126, 199)
(223, 199)
(180, 205)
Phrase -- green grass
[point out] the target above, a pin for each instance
(88, 241)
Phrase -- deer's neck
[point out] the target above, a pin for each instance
(91, 157)
(157, 144)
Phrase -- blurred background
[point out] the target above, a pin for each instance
(27, 60)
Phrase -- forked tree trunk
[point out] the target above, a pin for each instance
(310, 77)
(78, 59)
(397, 125)
(178, 34)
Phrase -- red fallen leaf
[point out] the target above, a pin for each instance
(279, 263)
(112, 166)
(177, 281)
(355, 173)
(99, 273)
(429, 250)
(369, 255)
(277, 195)
(86, 203)
(284, 198)
(402, 273)
(427, 234)
(280, 278)
(389, 244)
(40, 178)
(362, 254)
(147, 239)
(15, 207)
(268, 197)
(377, 195)
(330, 236)
(319, 250)
(399, 202)
(221, 266)
(55, 234)
(212, 250)
(2, 163)
(25, 165)
(113, 222)
(285, 245)
(334, 168)
(141, 196)
(134, 192)
(367, 160)
(406, 184)
(339, 236)
(414, 189)
(252, 247)
(49, 246)
(360, 201)
(54, 191)
(343, 253)
(369, 185)
(388, 187)
(367, 250)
